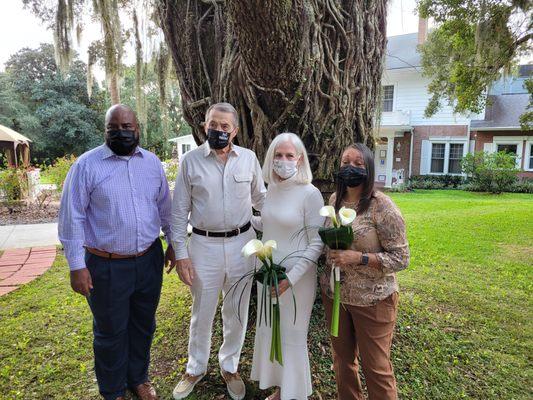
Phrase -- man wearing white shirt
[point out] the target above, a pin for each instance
(217, 185)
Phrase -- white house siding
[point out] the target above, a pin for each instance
(182, 141)
(411, 97)
(410, 101)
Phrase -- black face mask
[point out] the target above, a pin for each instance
(217, 139)
(352, 176)
(122, 142)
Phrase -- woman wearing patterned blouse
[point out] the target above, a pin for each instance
(369, 289)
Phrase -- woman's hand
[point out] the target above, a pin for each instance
(345, 258)
(283, 285)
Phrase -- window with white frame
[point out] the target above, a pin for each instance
(388, 98)
(455, 157)
(442, 156)
(438, 151)
(513, 145)
(185, 148)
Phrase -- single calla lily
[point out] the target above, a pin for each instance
(253, 247)
(329, 211)
(347, 216)
(268, 247)
(256, 248)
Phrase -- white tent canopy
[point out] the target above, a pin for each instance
(16, 146)
(9, 135)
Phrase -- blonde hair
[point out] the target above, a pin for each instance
(304, 174)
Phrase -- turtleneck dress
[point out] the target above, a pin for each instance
(291, 217)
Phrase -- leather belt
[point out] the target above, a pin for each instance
(115, 256)
(232, 233)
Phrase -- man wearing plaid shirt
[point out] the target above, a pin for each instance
(115, 202)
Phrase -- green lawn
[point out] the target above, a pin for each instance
(464, 331)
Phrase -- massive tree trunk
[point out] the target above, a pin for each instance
(312, 67)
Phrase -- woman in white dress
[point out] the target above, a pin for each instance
(292, 203)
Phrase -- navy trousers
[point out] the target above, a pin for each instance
(123, 302)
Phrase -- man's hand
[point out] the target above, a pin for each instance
(81, 282)
(345, 258)
(283, 285)
(185, 271)
(170, 259)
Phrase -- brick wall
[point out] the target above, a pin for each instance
(482, 137)
(402, 154)
(425, 132)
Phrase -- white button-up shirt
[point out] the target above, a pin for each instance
(214, 196)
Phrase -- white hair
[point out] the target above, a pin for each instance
(304, 174)
(225, 108)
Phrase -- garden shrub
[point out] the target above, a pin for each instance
(490, 172)
(435, 181)
(13, 184)
(171, 171)
(524, 186)
(57, 172)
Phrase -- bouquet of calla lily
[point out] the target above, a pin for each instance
(269, 275)
(337, 237)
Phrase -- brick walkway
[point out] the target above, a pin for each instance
(20, 266)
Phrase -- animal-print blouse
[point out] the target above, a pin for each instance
(379, 230)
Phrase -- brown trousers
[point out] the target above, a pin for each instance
(364, 331)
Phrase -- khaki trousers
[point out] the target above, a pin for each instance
(364, 331)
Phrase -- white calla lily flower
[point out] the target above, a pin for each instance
(268, 247)
(347, 216)
(329, 211)
(253, 247)
(256, 248)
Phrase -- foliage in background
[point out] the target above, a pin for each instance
(171, 171)
(436, 181)
(154, 136)
(52, 109)
(138, 86)
(15, 112)
(490, 172)
(13, 184)
(57, 172)
(474, 42)
(526, 119)
(523, 186)
(55, 111)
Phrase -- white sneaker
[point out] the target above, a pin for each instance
(234, 384)
(186, 385)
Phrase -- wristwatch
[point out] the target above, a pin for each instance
(364, 259)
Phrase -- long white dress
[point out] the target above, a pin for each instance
(288, 208)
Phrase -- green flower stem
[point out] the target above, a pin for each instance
(334, 329)
(279, 355)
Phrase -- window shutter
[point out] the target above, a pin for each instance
(425, 157)
(487, 147)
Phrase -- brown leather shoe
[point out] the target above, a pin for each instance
(145, 391)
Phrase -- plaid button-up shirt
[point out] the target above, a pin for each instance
(111, 203)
